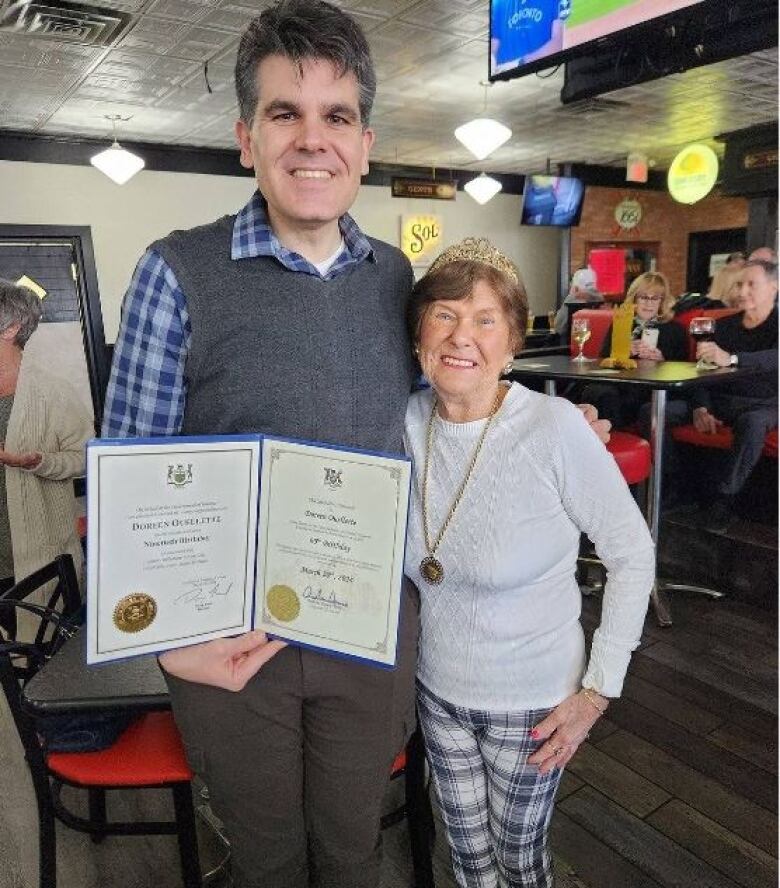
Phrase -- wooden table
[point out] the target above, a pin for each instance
(659, 377)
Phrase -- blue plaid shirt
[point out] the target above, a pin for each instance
(147, 390)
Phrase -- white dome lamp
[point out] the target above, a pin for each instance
(483, 135)
(483, 188)
(116, 162)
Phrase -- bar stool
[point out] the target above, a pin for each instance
(634, 459)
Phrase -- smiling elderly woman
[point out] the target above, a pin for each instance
(506, 481)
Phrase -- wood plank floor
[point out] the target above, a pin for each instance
(676, 787)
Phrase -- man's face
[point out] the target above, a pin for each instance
(306, 142)
(757, 291)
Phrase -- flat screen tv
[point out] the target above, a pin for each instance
(552, 200)
(528, 35)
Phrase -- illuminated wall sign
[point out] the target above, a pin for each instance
(421, 237)
(427, 188)
(628, 214)
(693, 173)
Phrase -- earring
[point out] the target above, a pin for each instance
(509, 367)
(416, 351)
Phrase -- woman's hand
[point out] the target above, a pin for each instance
(226, 663)
(600, 426)
(19, 460)
(647, 352)
(564, 729)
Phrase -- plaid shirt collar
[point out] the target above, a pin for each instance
(252, 236)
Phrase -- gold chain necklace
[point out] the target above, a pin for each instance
(430, 567)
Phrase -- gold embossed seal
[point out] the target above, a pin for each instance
(135, 612)
(283, 603)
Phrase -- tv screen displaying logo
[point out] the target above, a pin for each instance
(552, 200)
(531, 33)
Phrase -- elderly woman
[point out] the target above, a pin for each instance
(43, 430)
(654, 337)
(506, 479)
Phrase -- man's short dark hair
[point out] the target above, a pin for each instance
(301, 30)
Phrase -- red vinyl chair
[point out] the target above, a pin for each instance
(148, 753)
(633, 456)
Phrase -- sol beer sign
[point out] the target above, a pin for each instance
(421, 237)
(693, 174)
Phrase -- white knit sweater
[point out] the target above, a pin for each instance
(502, 631)
(46, 417)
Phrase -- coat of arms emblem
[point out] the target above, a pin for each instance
(179, 476)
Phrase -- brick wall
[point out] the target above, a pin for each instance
(664, 221)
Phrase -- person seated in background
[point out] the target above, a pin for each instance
(735, 260)
(748, 405)
(43, 429)
(654, 337)
(583, 292)
(765, 254)
(724, 287)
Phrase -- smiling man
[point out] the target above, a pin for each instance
(284, 319)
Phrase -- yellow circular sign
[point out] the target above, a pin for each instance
(283, 603)
(693, 173)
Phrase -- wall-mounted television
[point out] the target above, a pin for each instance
(552, 200)
(529, 35)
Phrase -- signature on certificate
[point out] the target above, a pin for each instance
(317, 593)
(202, 592)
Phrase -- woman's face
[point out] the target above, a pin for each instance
(648, 303)
(465, 344)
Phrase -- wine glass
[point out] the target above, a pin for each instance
(703, 330)
(580, 333)
(551, 320)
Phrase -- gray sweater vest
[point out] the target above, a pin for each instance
(286, 353)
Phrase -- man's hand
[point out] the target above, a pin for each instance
(600, 426)
(20, 460)
(226, 663)
(705, 422)
(709, 351)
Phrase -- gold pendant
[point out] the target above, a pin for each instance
(432, 570)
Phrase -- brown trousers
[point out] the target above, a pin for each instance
(297, 763)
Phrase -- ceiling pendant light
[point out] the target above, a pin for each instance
(482, 188)
(483, 134)
(116, 162)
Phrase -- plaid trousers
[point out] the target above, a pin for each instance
(495, 806)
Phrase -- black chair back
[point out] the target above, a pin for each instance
(64, 600)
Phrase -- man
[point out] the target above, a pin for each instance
(582, 292)
(284, 319)
(749, 405)
(764, 254)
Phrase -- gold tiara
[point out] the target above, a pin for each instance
(477, 249)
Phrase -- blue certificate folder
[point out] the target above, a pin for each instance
(195, 538)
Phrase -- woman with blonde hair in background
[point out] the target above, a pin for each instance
(654, 337)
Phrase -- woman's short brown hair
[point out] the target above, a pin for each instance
(456, 280)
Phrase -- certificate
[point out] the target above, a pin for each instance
(192, 539)
(332, 533)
